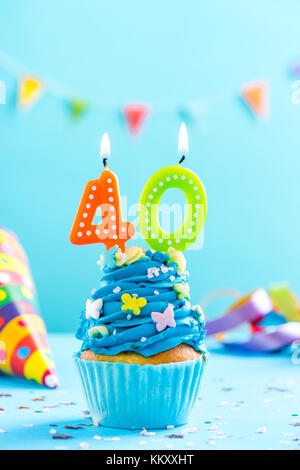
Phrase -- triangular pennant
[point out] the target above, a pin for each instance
(255, 97)
(77, 107)
(135, 115)
(296, 70)
(30, 90)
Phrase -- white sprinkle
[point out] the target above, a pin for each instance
(150, 196)
(148, 204)
(213, 427)
(160, 183)
(110, 199)
(109, 180)
(164, 268)
(144, 432)
(123, 229)
(97, 438)
(197, 197)
(191, 444)
(79, 234)
(110, 190)
(129, 317)
(81, 224)
(89, 233)
(115, 237)
(84, 445)
(114, 332)
(156, 292)
(172, 278)
(154, 190)
(91, 196)
(111, 208)
(261, 430)
(113, 217)
(114, 227)
(183, 177)
(94, 188)
(168, 178)
(84, 215)
(52, 431)
(211, 442)
(143, 339)
(175, 177)
(97, 231)
(117, 289)
(170, 426)
(88, 206)
(191, 181)
(196, 188)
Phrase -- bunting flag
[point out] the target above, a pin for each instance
(30, 90)
(296, 70)
(135, 115)
(254, 95)
(77, 107)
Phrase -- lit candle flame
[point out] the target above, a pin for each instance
(183, 141)
(105, 146)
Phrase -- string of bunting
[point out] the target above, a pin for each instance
(31, 88)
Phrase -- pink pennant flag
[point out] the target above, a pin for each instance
(135, 115)
(255, 96)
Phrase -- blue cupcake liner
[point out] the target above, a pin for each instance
(132, 396)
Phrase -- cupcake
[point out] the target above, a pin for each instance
(142, 354)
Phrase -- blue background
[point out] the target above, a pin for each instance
(166, 53)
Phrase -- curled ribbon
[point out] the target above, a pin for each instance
(256, 309)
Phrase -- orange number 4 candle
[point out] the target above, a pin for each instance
(102, 193)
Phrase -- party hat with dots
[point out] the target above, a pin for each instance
(23, 348)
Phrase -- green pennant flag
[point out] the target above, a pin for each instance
(77, 107)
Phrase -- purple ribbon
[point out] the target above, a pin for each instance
(252, 309)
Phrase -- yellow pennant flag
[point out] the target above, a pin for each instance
(30, 90)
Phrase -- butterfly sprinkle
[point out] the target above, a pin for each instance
(164, 319)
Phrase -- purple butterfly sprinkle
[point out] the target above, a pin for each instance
(164, 319)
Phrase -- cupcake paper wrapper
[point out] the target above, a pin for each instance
(132, 396)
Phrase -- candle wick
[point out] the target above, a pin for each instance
(105, 162)
(181, 160)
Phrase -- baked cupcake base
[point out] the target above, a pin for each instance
(182, 352)
(135, 396)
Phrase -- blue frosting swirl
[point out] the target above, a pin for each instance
(126, 331)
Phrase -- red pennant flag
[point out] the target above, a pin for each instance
(255, 95)
(135, 115)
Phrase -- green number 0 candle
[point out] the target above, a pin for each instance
(195, 210)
